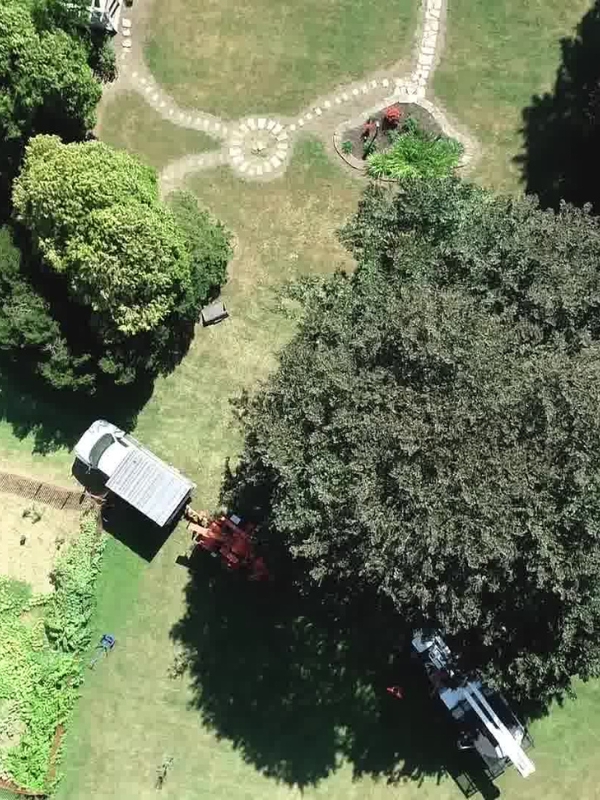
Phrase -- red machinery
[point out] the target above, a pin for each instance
(230, 538)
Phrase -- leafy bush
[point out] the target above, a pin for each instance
(103, 60)
(41, 658)
(416, 153)
(208, 244)
(74, 578)
(25, 320)
(347, 147)
(28, 331)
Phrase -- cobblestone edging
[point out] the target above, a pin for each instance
(259, 147)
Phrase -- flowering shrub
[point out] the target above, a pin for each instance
(393, 116)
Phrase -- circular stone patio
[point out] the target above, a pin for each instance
(258, 146)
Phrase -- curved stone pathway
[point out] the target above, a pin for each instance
(259, 147)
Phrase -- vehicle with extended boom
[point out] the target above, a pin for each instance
(485, 722)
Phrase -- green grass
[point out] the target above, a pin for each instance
(497, 55)
(282, 229)
(231, 57)
(129, 123)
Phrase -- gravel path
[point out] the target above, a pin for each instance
(259, 147)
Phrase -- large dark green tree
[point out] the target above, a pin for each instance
(46, 85)
(124, 276)
(433, 431)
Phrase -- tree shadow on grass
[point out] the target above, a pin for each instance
(295, 675)
(562, 129)
(134, 530)
(55, 420)
(298, 682)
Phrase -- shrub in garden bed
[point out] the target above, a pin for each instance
(415, 153)
(41, 658)
(380, 127)
(393, 116)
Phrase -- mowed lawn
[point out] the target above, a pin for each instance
(129, 123)
(497, 55)
(233, 57)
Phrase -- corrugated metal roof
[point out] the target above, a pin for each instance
(150, 485)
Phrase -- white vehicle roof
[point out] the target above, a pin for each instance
(134, 473)
(83, 448)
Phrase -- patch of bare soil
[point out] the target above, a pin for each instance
(31, 537)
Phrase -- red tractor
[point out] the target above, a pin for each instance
(231, 539)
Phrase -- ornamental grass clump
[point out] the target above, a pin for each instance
(416, 153)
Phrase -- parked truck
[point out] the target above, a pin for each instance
(133, 473)
(485, 722)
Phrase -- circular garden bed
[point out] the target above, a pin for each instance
(399, 142)
(355, 141)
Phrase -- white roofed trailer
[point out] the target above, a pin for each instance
(134, 474)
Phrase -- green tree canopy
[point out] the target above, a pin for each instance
(433, 431)
(120, 276)
(208, 243)
(94, 213)
(46, 85)
(28, 331)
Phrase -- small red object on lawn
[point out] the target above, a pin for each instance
(396, 691)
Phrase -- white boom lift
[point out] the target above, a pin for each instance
(487, 724)
(508, 745)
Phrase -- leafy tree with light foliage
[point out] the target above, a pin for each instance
(433, 430)
(94, 213)
(129, 270)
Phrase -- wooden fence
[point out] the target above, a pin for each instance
(9, 790)
(46, 493)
